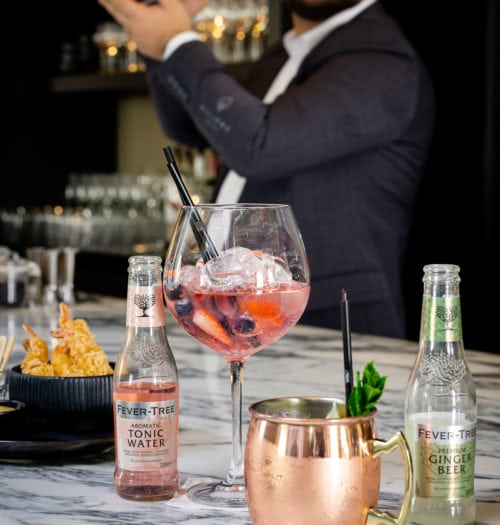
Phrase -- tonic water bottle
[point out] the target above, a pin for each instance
(146, 392)
(440, 408)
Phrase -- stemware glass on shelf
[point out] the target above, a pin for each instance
(236, 278)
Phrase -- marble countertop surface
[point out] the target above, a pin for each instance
(306, 361)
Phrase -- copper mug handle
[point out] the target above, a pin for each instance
(375, 517)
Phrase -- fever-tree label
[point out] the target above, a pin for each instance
(444, 460)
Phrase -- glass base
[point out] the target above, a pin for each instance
(218, 494)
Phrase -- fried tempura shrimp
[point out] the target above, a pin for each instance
(36, 361)
(77, 354)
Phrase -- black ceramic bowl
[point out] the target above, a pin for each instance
(77, 402)
(12, 414)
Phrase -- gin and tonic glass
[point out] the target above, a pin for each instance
(236, 278)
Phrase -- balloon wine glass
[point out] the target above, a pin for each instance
(236, 278)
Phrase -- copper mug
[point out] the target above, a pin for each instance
(302, 466)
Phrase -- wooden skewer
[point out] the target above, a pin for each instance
(3, 345)
(11, 340)
(6, 347)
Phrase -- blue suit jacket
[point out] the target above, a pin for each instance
(345, 145)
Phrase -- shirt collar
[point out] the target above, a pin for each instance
(299, 46)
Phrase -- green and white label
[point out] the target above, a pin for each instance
(442, 319)
(444, 460)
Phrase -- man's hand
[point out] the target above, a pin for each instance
(152, 26)
(193, 6)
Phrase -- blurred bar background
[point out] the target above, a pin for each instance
(84, 167)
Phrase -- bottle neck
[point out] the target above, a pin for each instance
(448, 288)
(441, 312)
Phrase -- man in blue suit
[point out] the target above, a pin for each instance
(336, 120)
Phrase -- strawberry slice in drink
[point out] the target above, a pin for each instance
(209, 324)
(266, 311)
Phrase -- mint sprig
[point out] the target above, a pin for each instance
(367, 392)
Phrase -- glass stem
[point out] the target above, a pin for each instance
(235, 472)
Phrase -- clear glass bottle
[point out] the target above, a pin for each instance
(440, 408)
(145, 392)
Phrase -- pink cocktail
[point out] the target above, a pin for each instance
(236, 278)
(237, 324)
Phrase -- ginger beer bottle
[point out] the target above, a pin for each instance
(440, 408)
(146, 392)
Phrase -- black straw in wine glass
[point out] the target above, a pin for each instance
(207, 247)
(346, 340)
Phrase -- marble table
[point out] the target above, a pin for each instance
(306, 361)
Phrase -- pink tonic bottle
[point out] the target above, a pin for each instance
(146, 392)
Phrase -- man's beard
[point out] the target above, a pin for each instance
(320, 11)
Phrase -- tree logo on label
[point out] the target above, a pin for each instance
(144, 302)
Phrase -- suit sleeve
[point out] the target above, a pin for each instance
(352, 101)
